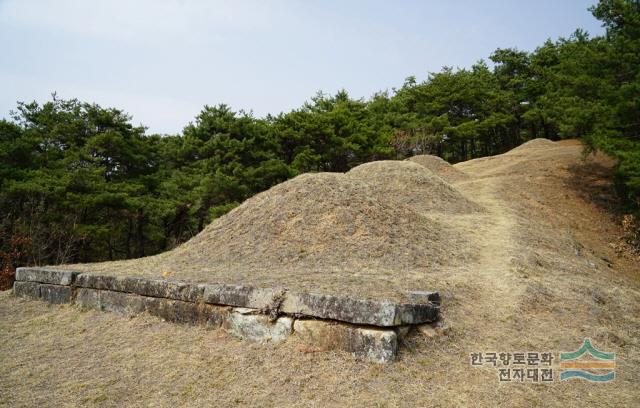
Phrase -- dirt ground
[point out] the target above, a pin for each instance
(542, 274)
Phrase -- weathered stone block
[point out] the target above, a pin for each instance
(377, 345)
(92, 281)
(416, 313)
(143, 286)
(120, 302)
(175, 311)
(29, 290)
(46, 275)
(358, 311)
(380, 346)
(89, 298)
(161, 288)
(258, 327)
(186, 312)
(273, 301)
(56, 294)
(265, 299)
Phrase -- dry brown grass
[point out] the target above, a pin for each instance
(415, 186)
(440, 167)
(542, 275)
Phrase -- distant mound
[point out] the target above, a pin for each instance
(327, 217)
(533, 144)
(413, 185)
(440, 167)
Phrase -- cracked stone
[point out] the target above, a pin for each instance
(258, 327)
(377, 345)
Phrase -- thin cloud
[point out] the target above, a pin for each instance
(140, 20)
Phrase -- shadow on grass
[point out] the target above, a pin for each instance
(593, 181)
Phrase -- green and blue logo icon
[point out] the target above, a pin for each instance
(588, 363)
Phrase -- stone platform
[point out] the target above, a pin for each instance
(369, 329)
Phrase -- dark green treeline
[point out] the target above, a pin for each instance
(80, 183)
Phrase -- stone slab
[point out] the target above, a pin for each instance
(359, 311)
(424, 306)
(28, 290)
(258, 327)
(346, 309)
(89, 298)
(119, 302)
(160, 288)
(265, 299)
(46, 275)
(56, 294)
(175, 311)
(369, 329)
(416, 313)
(377, 345)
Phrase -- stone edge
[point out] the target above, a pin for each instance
(367, 329)
(271, 301)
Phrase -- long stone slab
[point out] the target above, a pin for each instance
(423, 308)
(262, 321)
(160, 288)
(175, 311)
(359, 311)
(46, 275)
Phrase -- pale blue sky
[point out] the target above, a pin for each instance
(161, 61)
